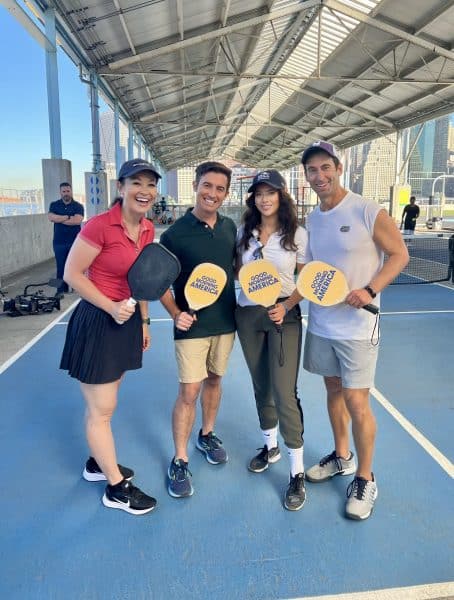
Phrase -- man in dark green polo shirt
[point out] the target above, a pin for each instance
(203, 342)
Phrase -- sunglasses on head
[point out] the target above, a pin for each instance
(257, 253)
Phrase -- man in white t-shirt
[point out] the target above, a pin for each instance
(353, 234)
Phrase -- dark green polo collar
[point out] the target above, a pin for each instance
(194, 221)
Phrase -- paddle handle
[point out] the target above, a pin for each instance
(278, 327)
(130, 302)
(371, 308)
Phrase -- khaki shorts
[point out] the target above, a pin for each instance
(354, 361)
(195, 357)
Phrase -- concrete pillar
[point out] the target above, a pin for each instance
(55, 171)
(96, 193)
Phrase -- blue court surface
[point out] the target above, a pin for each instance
(232, 539)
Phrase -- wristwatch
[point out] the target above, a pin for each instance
(68, 217)
(370, 291)
(146, 320)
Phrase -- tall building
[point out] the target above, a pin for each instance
(179, 185)
(107, 142)
(378, 169)
(426, 146)
(358, 157)
(440, 147)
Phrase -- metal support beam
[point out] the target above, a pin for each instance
(391, 29)
(287, 77)
(117, 137)
(94, 108)
(21, 16)
(211, 35)
(53, 98)
(130, 141)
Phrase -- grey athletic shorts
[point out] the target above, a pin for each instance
(354, 361)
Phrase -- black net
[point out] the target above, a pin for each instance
(429, 259)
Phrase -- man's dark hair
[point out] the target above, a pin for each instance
(212, 166)
(65, 184)
(412, 198)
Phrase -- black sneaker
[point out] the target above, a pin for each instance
(211, 446)
(92, 471)
(295, 495)
(179, 479)
(128, 497)
(260, 462)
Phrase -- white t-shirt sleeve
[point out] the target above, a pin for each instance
(301, 240)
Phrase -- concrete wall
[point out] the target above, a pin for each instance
(25, 240)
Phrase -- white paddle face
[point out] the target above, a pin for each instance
(260, 282)
(204, 286)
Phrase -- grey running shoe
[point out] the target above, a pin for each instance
(128, 497)
(260, 462)
(295, 496)
(361, 495)
(330, 466)
(179, 479)
(211, 446)
(92, 471)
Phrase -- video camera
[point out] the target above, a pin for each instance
(32, 303)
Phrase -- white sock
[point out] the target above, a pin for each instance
(296, 460)
(270, 437)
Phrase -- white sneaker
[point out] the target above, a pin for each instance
(330, 466)
(361, 495)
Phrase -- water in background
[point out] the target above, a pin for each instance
(11, 209)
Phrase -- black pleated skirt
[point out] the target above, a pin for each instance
(98, 350)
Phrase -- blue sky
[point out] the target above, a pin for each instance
(23, 106)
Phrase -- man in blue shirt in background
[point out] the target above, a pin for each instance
(66, 214)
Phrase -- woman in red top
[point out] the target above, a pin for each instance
(97, 349)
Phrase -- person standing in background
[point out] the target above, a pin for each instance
(66, 214)
(410, 216)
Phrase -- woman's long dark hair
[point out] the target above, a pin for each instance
(286, 217)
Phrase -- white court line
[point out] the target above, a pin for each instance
(33, 341)
(416, 312)
(417, 592)
(444, 462)
(440, 458)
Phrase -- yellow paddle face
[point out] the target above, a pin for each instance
(260, 282)
(322, 283)
(204, 286)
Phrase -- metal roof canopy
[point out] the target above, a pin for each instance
(257, 80)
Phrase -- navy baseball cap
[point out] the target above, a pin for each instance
(137, 165)
(316, 147)
(272, 178)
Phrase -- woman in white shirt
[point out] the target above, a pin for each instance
(270, 230)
